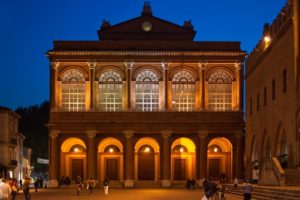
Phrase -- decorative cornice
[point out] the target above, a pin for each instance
(146, 53)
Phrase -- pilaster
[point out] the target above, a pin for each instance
(91, 154)
(129, 66)
(53, 164)
(165, 67)
(202, 68)
(166, 159)
(203, 154)
(129, 158)
(53, 78)
(92, 66)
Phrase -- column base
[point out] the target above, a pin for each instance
(128, 183)
(52, 184)
(165, 183)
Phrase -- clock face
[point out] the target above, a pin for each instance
(146, 26)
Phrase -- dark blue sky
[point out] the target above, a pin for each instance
(28, 28)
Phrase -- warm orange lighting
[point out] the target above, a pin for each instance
(76, 149)
(215, 149)
(147, 149)
(267, 39)
(181, 150)
(173, 102)
(111, 150)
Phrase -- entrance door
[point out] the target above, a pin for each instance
(180, 169)
(77, 168)
(146, 166)
(112, 172)
(214, 168)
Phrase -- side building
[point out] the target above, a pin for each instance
(13, 162)
(272, 153)
(146, 105)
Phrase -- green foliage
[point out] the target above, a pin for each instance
(32, 124)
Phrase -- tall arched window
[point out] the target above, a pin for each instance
(147, 92)
(183, 91)
(220, 91)
(110, 91)
(73, 91)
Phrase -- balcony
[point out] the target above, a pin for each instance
(114, 122)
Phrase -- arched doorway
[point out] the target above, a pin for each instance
(147, 159)
(110, 159)
(183, 159)
(73, 158)
(219, 155)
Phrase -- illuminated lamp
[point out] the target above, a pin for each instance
(181, 150)
(147, 149)
(111, 150)
(267, 39)
(215, 149)
(76, 149)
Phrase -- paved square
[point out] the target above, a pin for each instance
(119, 194)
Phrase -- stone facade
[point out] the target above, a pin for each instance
(146, 103)
(272, 96)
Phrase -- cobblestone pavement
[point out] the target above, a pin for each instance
(120, 194)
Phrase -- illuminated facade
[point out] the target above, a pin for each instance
(146, 105)
(272, 153)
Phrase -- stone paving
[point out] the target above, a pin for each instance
(120, 194)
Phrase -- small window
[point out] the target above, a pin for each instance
(284, 81)
(273, 89)
(265, 96)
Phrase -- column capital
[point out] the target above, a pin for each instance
(165, 65)
(166, 133)
(203, 133)
(237, 66)
(128, 133)
(128, 64)
(202, 65)
(91, 133)
(54, 65)
(92, 64)
(54, 133)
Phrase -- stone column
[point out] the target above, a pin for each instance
(238, 154)
(202, 68)
(166, 159)
(129, 159)
(128, 66)
(165, 68)
(53, 79)
(203, 154)
(92, 66)
(91, 154)
(239, 89)
(53, 164)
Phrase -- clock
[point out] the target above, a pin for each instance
(146, 26)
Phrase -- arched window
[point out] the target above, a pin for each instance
(110, 91)
(220, 91)
(147, 92)
(111, 149)
(183, 91)
(73, 91)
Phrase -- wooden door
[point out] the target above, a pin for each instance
(77, 168)
(112, 169)
(180, 169)
(214, 168)
(146, 167)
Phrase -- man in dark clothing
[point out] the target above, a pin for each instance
(210, 188)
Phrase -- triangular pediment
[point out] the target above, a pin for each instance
(146, 27)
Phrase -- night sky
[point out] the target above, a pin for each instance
(28, 28)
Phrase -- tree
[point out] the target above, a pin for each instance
(33, 125)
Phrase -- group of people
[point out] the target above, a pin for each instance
(9, 188)
(90, 185)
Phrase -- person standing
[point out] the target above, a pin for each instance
(14, 188)
(36, 184)
(247, 189)
(26, 188)
(105, 185)
(5, 190)
(235, 182)
(91, 184)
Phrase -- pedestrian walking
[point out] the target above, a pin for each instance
(36, 184)
(105, 185)
(247, 189)
(26, 188)
(79, 185)
(235, 182)
(5, 190)
(91, 183)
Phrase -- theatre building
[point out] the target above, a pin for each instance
(146, 105)
(273, 102)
